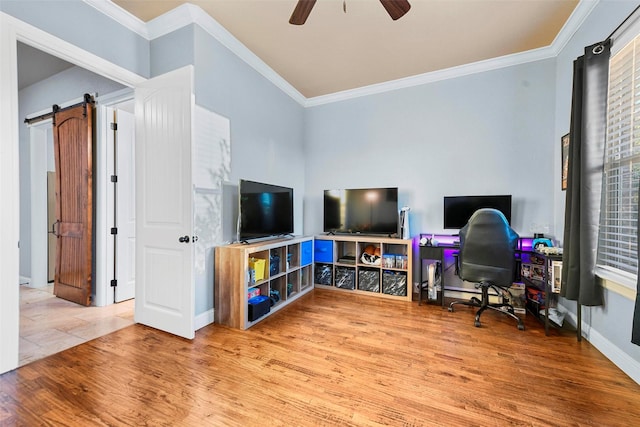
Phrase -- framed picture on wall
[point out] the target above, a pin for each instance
(564, 143)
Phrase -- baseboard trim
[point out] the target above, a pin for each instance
(612, 352)
(621, 359)
(204, 319)
(24, 280)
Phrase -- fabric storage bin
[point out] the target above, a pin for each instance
(345, 278)
(369, 280)
(323, 275)
(394, 283)
(306, 253)
(323, 250)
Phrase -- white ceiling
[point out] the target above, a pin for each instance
(336, 51)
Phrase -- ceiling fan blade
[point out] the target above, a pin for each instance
(396, 8)
(301, 12)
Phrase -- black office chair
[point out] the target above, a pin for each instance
(487, 257)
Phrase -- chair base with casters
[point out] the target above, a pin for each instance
(485, 304)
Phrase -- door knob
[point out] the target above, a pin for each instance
(183, 239)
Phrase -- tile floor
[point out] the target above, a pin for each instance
(49, 325)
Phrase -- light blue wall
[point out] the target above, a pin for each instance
(172, 51)
(609, 326)
(487, 133)
(82, 25)
(266, 124)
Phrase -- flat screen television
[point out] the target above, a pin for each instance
(265, 210)
(361, 210)
(458, 209)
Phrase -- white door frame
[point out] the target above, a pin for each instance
(104, 219)
(13, 30)
(39, 151)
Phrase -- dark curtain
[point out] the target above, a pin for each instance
(584, 184)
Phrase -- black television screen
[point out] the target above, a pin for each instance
(362, 210)
(265, 210)
(458, 209)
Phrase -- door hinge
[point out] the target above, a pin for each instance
(114, 178)
(114, 126)
(114, 230)
(114, 283)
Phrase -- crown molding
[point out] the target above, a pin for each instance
(181, 16)
(579, 14)
(120, 15)
(435, 76)
(187, 14)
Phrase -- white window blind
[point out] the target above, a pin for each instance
(618, 242)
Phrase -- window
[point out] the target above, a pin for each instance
(618, 242)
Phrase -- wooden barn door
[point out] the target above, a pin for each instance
(73, 141)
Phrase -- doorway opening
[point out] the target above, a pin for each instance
(49, 324)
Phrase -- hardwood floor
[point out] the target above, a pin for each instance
(49, 324)
(331, 358)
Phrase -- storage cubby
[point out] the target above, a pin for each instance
(306, 278)
(346, 252)
(278, 290)
(279, 269)
(293, 256)
(386, 271)
(277, 264)
(293, 283)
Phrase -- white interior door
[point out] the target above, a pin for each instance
(164, 203)
(41, 140)
(125, 207)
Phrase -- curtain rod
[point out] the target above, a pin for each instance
(623, 22)
(88, 99)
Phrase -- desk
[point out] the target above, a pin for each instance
(447, 243)
(546, 284)
(437, 253)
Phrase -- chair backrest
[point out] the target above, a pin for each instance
(487, 248)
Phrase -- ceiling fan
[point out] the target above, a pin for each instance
(395, 8)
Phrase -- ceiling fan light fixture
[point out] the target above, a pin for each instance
(301, 12)
(395, 8)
